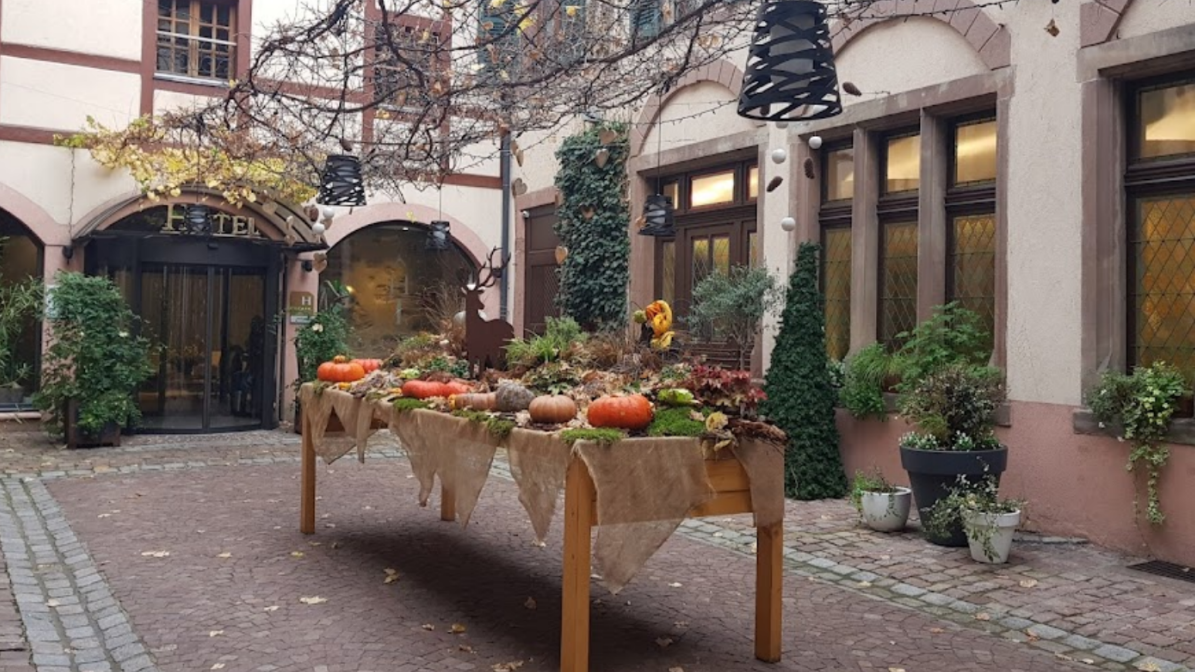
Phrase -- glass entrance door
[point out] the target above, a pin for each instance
(207, 324)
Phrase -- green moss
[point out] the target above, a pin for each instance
(499, 427)
(409, 404)
(604, 435)
(675, 422)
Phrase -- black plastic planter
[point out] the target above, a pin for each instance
(932, 473)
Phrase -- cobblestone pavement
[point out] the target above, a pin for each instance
(854, 600)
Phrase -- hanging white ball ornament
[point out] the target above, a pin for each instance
(815, 142)
(318, 228)
(779, 155)
(788, 224)
(327, 212)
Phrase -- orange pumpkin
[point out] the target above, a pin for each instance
(369, 365)
(552, 410)
(423, 389)
(475, 401)
(339, 370)
(455, 387)
(629, 412)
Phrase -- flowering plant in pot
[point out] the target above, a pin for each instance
(882, 506)
(989, 521)
(954, 411)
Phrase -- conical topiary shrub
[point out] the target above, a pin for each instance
(800, 398)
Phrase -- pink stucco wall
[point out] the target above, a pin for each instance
(1076, 485)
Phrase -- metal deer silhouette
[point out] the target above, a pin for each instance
(485, 340)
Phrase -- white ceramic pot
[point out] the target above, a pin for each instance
(886, 511)
(1002, 526)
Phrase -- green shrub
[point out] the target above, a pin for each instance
(561, 340)
(957, 406)
(952, 335)
(862, 393)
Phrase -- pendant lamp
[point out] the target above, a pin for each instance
(658, 217)
(790, 72)
(341, 182)
(197, 220)
(437, 237)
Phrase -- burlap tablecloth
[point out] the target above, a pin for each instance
(645, 486)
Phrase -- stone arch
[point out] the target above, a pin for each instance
(39, 222)
(719, 72)
(465, 237)
(1098, 20)
(990, 40)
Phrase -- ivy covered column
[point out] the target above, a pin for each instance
(593, 223)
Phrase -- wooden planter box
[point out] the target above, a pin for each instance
(75, 438)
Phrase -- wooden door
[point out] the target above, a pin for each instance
(540, 280)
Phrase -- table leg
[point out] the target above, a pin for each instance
(307, 478)
(578, 519)
(447, 503)
(769, 573)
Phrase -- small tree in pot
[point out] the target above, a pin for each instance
(954, 410)
(94, 363)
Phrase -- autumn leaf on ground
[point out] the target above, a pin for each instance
(225, 555)
(316, 543)
(456, 628)
(507, 667)
(530, 603)
(864, 584)
(335, 545)
(1148, 666)
(676, 669)
(51, 603)
(155, 554)
(218, 666)
(1028, 583)
(466, 648)
(982, 616)
(681, 624)
(937, 631)
(428, 626)
(675, 584)
(271, 609)
(297, 554)
(215, 633)
(313, 600)
(896, 669)
(663, 642)
(104, 515)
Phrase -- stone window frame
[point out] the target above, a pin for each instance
(933, 109)
(1106, 72)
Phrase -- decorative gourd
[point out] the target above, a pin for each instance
(629, 412)
(423, 389)
(552, 410)
(369, 365)
(475, 400)
(339, 370)
(511, 398)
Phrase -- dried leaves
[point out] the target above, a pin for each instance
(313, 600)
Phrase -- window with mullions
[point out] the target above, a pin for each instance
(1160, 181)
(197, 39)
(499, 36)
(897, 212)
(838, 186)
(405, 71)
(971, 215)
(646, 18)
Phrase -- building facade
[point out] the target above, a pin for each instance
(214, 305)
(1032, 161)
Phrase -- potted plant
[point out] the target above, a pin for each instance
(324, 337)
(94, 363)
(20, 304)
(882, 506)
(988, 521)
(864, 382)
(729, 306)
(954, 411)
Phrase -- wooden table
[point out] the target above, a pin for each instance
(732, 496)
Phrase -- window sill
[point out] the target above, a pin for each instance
(1182, 430)
(197, 81)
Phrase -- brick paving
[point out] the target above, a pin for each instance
(854, 600)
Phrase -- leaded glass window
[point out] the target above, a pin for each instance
(898, 281)
(836, 287)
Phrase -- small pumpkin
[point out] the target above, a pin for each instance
(369, 365)
(423, 389)
(455, 387)
(473, 400)
(630, 412)
(552, 409)
(339, 370)
(512, 398)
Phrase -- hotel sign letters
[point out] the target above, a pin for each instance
(223, 224)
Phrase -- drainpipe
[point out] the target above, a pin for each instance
(504, 169)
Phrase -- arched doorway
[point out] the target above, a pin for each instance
(399, 287)
(21, 261)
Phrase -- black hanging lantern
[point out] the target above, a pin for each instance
(790, 72)
(197, 220)
(438, 239)
(341, 183)
(658, 217)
